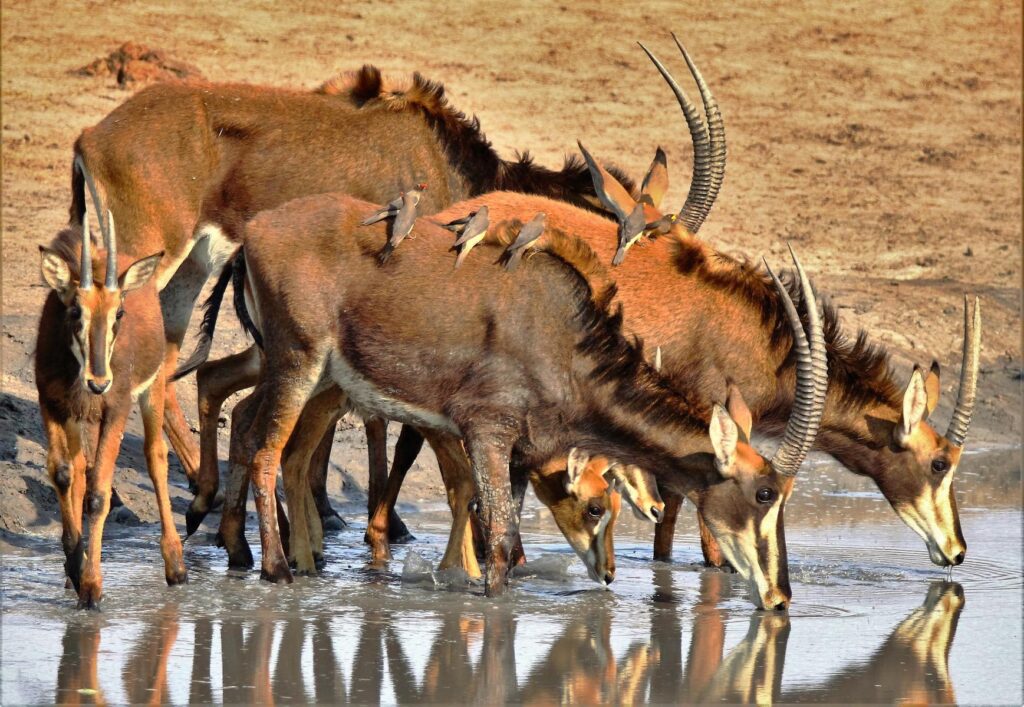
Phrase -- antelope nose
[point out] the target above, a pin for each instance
(959, 559)
(656, 514)
(98, 387)
(781, 606)
(608, 577)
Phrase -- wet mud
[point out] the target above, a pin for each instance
(872, 620)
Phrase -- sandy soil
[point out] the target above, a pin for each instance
(883, 142)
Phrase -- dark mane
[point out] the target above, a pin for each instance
(862, 369)
(467, 148)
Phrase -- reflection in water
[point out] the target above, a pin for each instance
(912, 665)
(287, 657)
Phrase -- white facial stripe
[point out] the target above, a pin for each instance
(741, 552)
(767, 533)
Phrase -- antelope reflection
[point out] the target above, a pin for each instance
(579, 665)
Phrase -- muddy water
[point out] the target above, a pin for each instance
(872, 620)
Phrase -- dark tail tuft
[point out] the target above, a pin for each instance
(211, 309)
(241, 311)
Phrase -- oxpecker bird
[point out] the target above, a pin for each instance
(528, 234)
(471, 229)
(403, 212)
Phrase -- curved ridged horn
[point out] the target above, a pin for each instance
(111, 280)
(968, 392)
(85, 279)
(716, 130)
(811, 376)
(105, 227)
(708, 143)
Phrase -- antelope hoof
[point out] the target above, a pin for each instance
(89, 598)
(318, 561)
(332, 522)
(178, 575)
(194, 517)
(398, 533)
(277, 573)
(663, 556)
(74, 565)
(240, 558)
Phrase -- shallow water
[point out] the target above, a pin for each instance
(872, 619)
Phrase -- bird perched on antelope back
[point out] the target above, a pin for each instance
(402, 211)
(527, 235)
(471, 229)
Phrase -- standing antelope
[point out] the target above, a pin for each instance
(520, 367)
(240, 149)
(99, 345)
(873, 425)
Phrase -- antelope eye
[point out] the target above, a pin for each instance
(120, 313)
(75, 312)
(595, 511)
(765, 495)
(940, 466)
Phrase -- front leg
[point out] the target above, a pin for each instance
(664, 532)
(489, 456)
(98, 502)
(65, 465)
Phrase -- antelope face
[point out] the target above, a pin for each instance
(93, 313)
(640, 489)
(585, 505)
(743, 508)
(917, 478)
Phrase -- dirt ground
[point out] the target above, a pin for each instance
(883, 141)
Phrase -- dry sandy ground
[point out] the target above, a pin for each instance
(884, 142)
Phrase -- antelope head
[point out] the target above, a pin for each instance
(917, 473)
(93, 309)
(743, 504)
(640, 489)
(638, 219)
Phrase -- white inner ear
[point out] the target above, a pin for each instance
(56, 271)
(915, 404)
(577, 462)
(724, 437)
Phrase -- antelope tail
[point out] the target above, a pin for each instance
(241, 311)
(211, 309)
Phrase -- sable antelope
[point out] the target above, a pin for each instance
(475, 167)
(242, 149)
(873, 425)
(520, 368)
(99, 345)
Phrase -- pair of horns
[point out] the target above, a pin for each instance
(106, 229)
(968, 393)
(708, 142)
(811, 374)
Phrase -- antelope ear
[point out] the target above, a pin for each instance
(915, 405)
(931, 387)
(139, 272)
(655, 183)
(576, 464)
(612, 194)
(739, 412)
(56, 271)
(724, 437)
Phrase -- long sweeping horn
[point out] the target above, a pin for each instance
(708, 143)
(111, 280)
(968, 392)
(716, 129)
(811, 376)
(85, 279)
(105, 226)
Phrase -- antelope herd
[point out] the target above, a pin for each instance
(576, 337)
